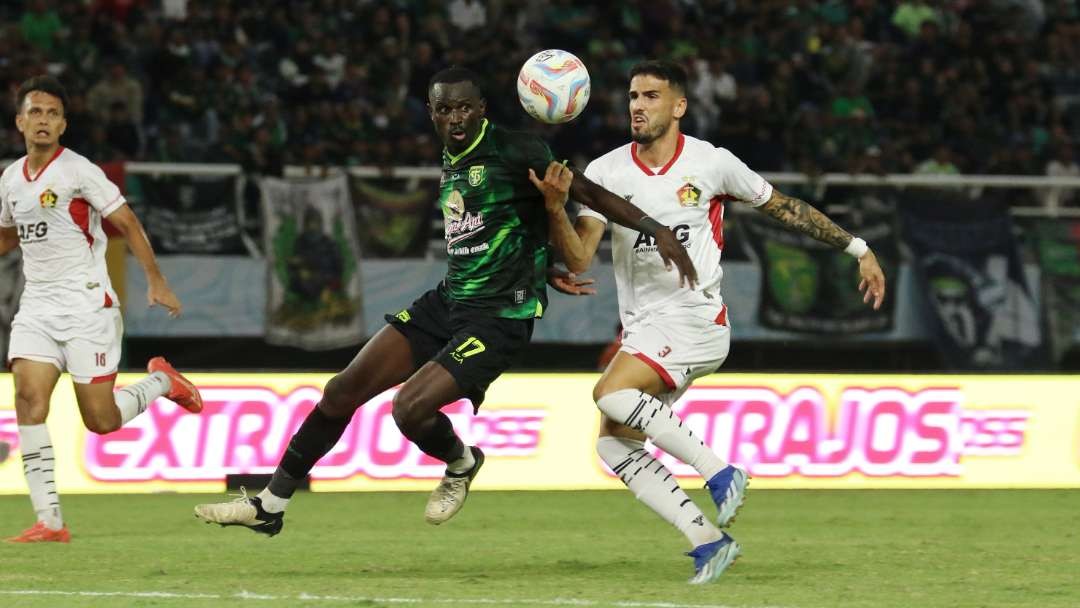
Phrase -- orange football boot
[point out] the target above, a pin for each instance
(183, 392)
(39, 533)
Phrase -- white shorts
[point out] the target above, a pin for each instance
(85, 345)
(681, 345)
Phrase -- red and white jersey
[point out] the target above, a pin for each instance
(58, 215)
(687, 195)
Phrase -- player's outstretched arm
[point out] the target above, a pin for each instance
(575, 243)
(799, 215)
(158, 291)
(9, 239)
(623, 212)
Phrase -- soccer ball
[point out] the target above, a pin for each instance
(553, 86)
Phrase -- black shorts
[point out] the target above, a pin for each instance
(474, 346)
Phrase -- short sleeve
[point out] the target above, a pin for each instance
(525, 151)
(103, 195)
(593, 173)
(741, 182)
(7, 219)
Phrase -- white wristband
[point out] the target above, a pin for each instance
(856, 248)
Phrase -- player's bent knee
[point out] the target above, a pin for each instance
(404, 409)
(339, 398)
(601, 390)
(102, 426)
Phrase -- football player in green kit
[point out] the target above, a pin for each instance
(457, 338)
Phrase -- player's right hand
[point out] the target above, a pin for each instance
(555, 186)
(159, 294)
(672, 251)
(564, 281)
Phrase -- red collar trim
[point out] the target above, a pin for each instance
(674, 157)
(26, 169)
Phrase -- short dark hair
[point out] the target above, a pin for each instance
(44, 83)
(663, 69)
(456, 73)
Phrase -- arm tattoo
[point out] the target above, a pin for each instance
(800, 216)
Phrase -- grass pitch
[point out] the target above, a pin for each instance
(801, 549)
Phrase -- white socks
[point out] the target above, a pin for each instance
(654, 485)
(645, 413)
(272, 503)
(463, 464)
(37, 456)
(134, 399)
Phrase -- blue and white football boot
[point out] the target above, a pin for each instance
(711, 559)
(728, 491)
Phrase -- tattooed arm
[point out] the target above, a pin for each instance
(800, 216)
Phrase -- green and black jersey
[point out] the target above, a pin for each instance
(496, 226)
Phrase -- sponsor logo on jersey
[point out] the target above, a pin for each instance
(689, 195)
(31, 233)
(646, 243)
(48, 199)
(463, 228)
(476, 175)
(664, 352)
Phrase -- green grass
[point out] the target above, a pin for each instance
(801, 549)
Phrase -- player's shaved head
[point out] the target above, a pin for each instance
(44, 83)
(456, 106)
(672, 72)
(456, 74)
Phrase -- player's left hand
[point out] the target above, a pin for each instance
(872, 280)
(555, 186)
(564, 281)
(159, 294)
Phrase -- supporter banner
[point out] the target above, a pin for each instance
(188, 213)
(973, 284)
(1056, 243)
(789, 431)
(395, 215)
(313, 278)
(808, 286)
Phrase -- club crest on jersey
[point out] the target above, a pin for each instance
(476, 175)
(454, 206)
(48, 199)
(689, 195)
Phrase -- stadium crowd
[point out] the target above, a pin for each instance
(942, 86)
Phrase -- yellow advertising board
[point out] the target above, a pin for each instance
(539, 430)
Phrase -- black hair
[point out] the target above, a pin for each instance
(44, 83)
(673, 73)
(456, 73)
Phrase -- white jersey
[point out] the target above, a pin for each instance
(687, 195)
(58, 215)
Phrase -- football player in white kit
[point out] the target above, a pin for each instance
(674, 333)
(52, 202)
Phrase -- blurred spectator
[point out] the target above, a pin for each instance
(467, 15)
(121, 132)
(39, 25)
(909, 16)
(939, 164)
(1062, 165)
(116, 88)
